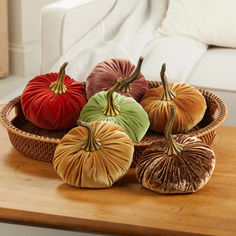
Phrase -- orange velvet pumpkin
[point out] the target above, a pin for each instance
(190, 105)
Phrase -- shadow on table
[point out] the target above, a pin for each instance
(27, 166)
(124, 191)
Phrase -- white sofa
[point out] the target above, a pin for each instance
(64, 22)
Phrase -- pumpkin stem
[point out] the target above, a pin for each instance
(173, 147)
(58, 86)
(168, 94)
(124, 83)
(111, 109)
(90, 144)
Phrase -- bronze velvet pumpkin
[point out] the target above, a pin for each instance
(105, 75)
(53, 101)
(93, 155)
(190, 105)
(123, 111)
(176, 165)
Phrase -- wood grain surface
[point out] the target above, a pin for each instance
(32, 192)
(4, 57)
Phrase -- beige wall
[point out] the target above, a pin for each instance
(24, 36)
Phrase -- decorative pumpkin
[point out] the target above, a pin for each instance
(123, 111)
(176, 165)
(93, 155)
(106, 73)
(190, 105)
(53, 101)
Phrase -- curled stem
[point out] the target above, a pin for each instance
(123, 85)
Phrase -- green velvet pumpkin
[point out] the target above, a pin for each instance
(123, 111)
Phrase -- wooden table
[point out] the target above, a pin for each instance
(32, 192)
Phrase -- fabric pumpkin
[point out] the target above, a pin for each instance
(53, 101)
(122, 110)
(106, 73)
(93, 155)
(176, 165)
(190, 105)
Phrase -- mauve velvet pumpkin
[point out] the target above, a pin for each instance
(105, 74)
(49, 110)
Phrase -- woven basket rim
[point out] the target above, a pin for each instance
(11, 128)
(222, 114)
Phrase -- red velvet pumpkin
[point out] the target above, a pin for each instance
(106, 73)
(53, 101)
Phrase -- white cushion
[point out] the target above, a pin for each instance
(212, 22)
(63, 23)
(179, 53)
(215, 70)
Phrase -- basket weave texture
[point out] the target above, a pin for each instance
(40, 144)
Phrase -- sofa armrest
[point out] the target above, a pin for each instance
(64, 22)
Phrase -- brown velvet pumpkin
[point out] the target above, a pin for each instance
(190, 105)
(93, 155)
(176, 165)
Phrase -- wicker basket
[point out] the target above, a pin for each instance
(39, 144)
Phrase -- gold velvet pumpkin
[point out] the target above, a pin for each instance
(190, 105)
(176, 165)
(93, 155)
